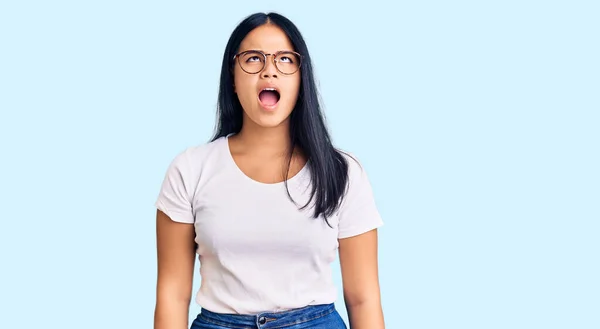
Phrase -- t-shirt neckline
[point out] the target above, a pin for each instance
(229, 156)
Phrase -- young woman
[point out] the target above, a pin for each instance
(268, 203)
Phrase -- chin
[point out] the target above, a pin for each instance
(269, 120)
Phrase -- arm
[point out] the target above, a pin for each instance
(358, 260)
(176, 256)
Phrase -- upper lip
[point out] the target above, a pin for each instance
(268, 86)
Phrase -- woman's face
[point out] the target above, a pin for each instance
(266, 108)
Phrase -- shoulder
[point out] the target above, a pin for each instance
(358, 179)
(194, 161)
(199, 154)
(355, 166)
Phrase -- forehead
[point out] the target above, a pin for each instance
(268, 38)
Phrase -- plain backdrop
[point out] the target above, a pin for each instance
(477, 121)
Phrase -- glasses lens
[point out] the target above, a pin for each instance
(252, 61)
(288, 62)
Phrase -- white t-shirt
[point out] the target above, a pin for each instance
(257, 251)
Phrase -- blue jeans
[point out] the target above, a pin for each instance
(314, 317)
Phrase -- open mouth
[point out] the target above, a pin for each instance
(269, 96)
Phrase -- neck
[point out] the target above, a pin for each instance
(275, 140)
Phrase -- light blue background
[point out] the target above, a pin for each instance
(478, 122)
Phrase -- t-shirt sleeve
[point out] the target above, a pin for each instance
(175, 195)
(358, 212)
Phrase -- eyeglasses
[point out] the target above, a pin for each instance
(254, 61)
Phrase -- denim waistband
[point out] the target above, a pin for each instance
(269, 319)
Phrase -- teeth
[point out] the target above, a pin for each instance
(270, 89)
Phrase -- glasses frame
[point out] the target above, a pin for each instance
(236, 58)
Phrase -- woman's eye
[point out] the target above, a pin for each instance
(253, 59)
(285, 59)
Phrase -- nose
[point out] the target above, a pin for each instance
(269, 70)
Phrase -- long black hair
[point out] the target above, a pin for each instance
(308, 132)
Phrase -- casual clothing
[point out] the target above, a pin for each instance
(257, 251)
(314, 317)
